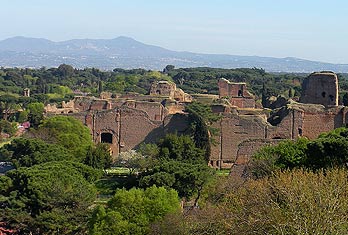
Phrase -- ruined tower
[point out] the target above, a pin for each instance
(320, 88)
(237, 93)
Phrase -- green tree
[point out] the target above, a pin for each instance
(131, 212)
(28, 152)
(35, 115)
(287, 154)
(65, 70)
(201, 118)
(329, 150)
(180, 148)
(288, 202)
(188, 179)
(50, 198)
(99, 156)
(8, 106)
(23, 116)
(67, 132)
(8, 127)
(345, 99)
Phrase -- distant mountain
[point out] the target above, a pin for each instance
(125, 52)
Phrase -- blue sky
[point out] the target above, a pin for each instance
(308, 29)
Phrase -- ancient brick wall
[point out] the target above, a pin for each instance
(175, 108)
(234, 129)
(290, 126)
(249, 147)
(320, 88)
(136, 127)
(82, 103)
(242, 102)
(107, 122)
(315, 123)
(154, 110)
(100, 105)
(163, 88)
(237, 93)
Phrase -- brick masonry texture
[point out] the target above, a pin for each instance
(242, 128)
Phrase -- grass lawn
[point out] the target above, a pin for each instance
(115, 178)
(223, 172)
(117, 171)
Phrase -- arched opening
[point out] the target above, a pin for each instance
(106, 138)
(323, 94)
(158, 92)
(240, 93)
(300, 132)
(70, 111)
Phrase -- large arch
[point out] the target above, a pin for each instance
(109, 137)
(106, 137)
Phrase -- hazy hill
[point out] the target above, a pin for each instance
(125, 52)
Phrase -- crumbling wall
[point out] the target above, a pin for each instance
(154, 110)
(136, 127)
(320, 88)
(237, 93)
(234, 129)
(107, 122)
(238, 132)
(181, 96)
(247, 148)
(168, 89)
(287, 123)
(82, 103)
(163, 88)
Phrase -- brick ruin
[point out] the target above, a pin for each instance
(168, 89)
(236, 93)
(320, 88)
(126, 122)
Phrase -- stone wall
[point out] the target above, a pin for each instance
(320, 88)
(126, 124)
(237, 93)
(163, 88)
(234, 129)
(154, 110)
(169, 90)
(247, 148)
(242, 135)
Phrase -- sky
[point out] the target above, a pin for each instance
(308, 29)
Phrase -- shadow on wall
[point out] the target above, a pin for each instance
(177, 123)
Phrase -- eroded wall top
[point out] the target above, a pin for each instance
(320, 88)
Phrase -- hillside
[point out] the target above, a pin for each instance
(127, 53)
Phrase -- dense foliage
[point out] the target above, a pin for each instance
(57, 84)
(51, 198)
(67, 132)
(24, 152)
(181, 166)
(204, 80)
(131, 212)
(201, 118)
(54, 188)
(290, 202)
(329, 150)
